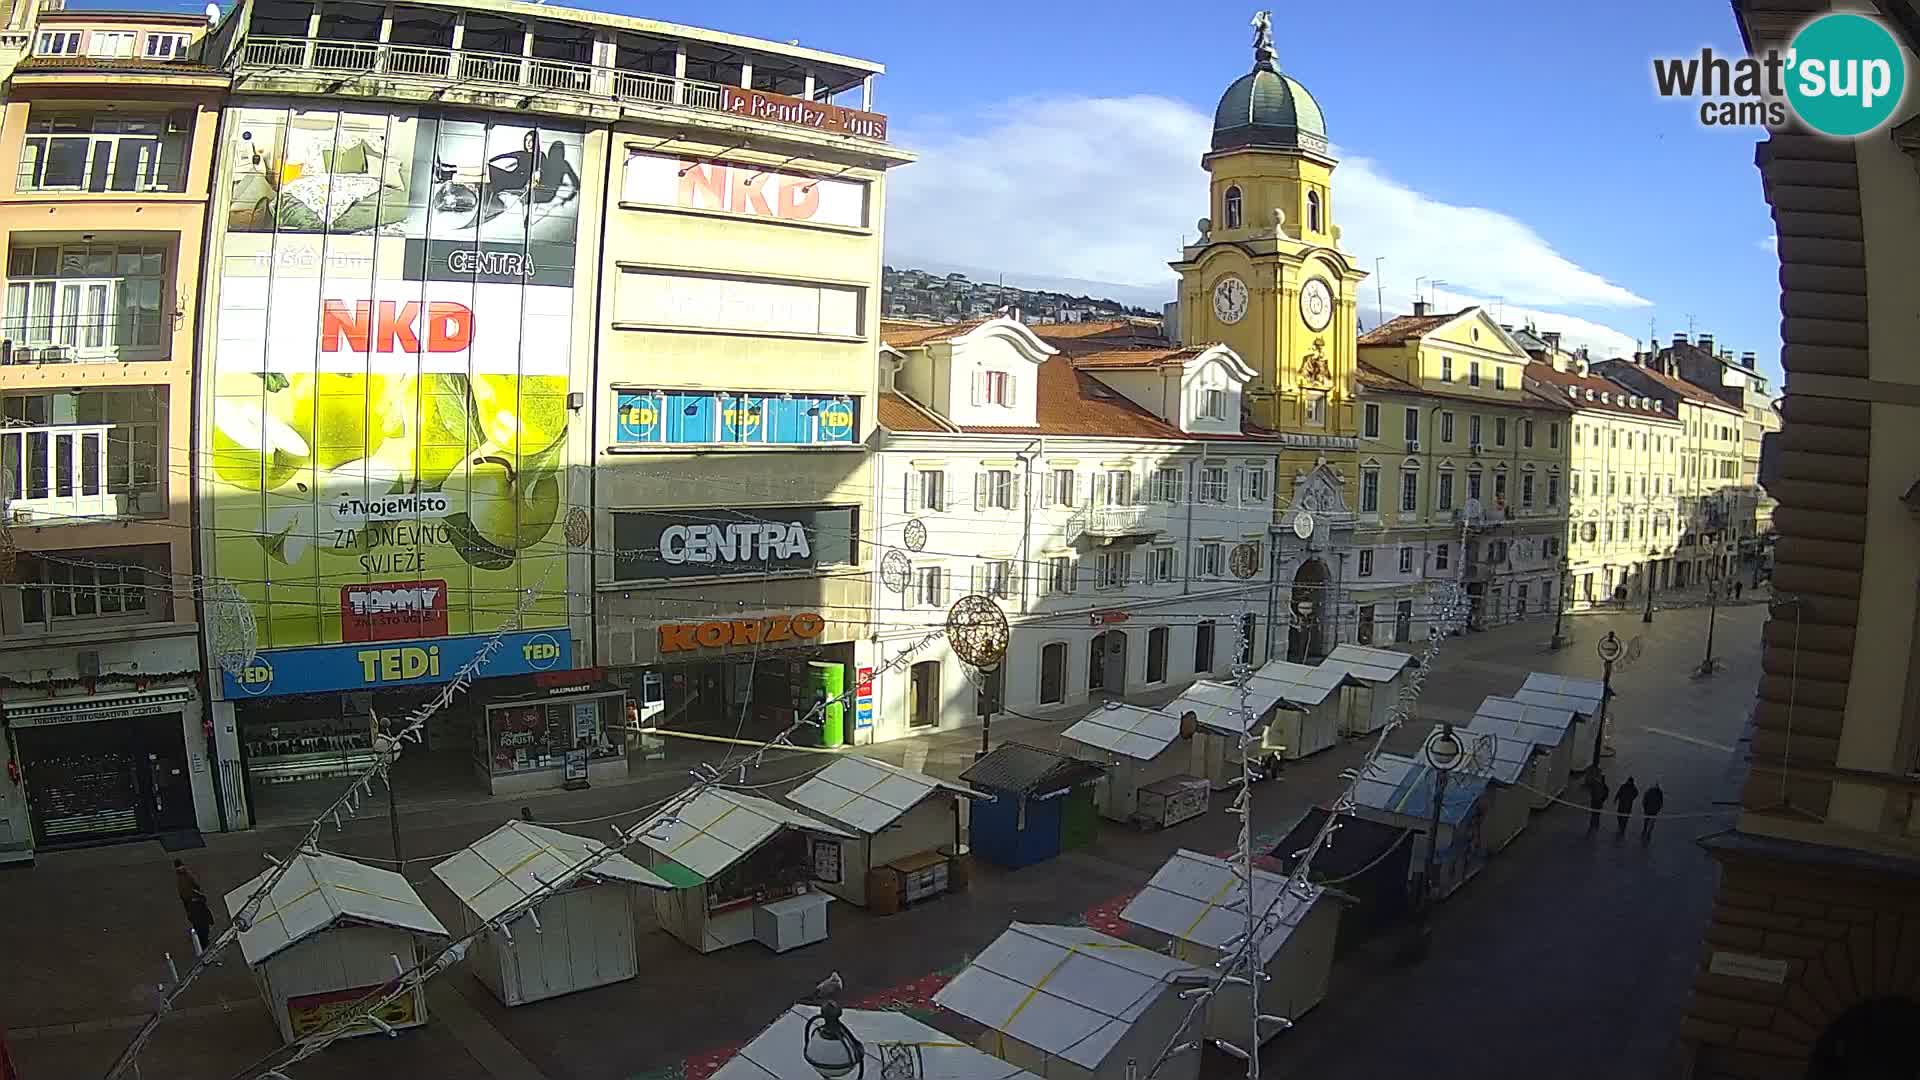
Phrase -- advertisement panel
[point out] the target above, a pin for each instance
(387, 432)
(710, 542)
(693, 184)
(732, 418)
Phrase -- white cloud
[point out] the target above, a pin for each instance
(1107, 189)
(1769, 244)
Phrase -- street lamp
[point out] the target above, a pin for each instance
(1560, 607)
(1713, 612)
(1609, 649)
(1652, 553)
(1444, 752)
(833, 1051)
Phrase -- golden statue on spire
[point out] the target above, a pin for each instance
(1262, 39)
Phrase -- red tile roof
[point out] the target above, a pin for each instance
(1069, 402)
(1683, 388)
(1373, 378)
(1402, 328)
(80, 65)
(899, 412)
(1075, 339)
(911, 334)
(1595, 393)
(1137, 358)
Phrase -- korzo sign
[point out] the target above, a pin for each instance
(782, 109)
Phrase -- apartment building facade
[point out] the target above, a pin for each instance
(1738, 382)
(1463, 471)
(1807, 967)
(111, 119)
(1113, 501)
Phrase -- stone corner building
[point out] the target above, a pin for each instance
(1811, 967)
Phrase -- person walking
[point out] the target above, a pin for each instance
(194, 899)
(1650, 805)
(1737, 586)
(1596, 799)
(1623, 801)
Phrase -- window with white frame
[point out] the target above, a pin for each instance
(1114, 487)
(1409, 491)
(1499, 431)
(1499, 377)
(1254, 485)
(65, 448)
(1370, 491)
(1446, 426)
(993, 489)
(111, 44)
(930, 586)
(1370, 421)
(1473, 373)
(1165, 486)
(1366, 562)
(1446, 369)
(1553, 490)
(1162, 565)
(1473, 482)
(1473, 430)
(85, 301)
(1553, 436)
(1441, 555)
(57, 43)
(1406, 560)
(1062, 487)
(1526, 488)
(165, 46)
(1213, 404)
(86, 585)
(1500, 486)
(1116, 568)
(1213, 559)
(928, 490)
(1445, 499)
(1526, 434)
(1410, 424)
(995, 578)
(1213, 484)
(1230, 207)
(1314, 408)
(1059, 577)
(996, 388)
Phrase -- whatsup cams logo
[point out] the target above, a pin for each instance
(1842, 75)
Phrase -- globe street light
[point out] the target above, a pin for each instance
(1560, 606)
(833, 1051)
(1444, 752)
(1610, 650)
(1652, 553)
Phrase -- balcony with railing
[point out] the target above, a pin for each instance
(1114, 522)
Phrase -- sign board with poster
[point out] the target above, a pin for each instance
(309, 1013)
(863, 699)
(744, 189)
(576, 769)
(386, 414)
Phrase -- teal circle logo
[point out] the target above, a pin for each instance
(1845, 74)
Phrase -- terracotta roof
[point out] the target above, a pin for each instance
(1372, 378)
(1068, 402)
(1137, 357)
(1402, 328)
(1092, 337)
(1681, 387)
(911, 334)
(1595, 393)
(135, 66)
(901, 413)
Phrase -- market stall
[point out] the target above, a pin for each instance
(906, 831)
(1507, 765)
(1368, 862)
(1553, 730)
(1381, 673)
(1581, 697)
(1146, 782)
(895, 1044)
(1072, 1003)
(329, 934)
(1198, 904)
(742, 869)
(1398, 791)
(1042, 804)
(578, 938)
(1314, 724)
(1222, 718)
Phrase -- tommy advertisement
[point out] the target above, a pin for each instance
(387, 431)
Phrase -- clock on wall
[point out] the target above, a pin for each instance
(1230, 299)
(1316, 304)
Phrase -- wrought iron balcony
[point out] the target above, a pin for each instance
(1112, 522)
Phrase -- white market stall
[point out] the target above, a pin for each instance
(1399, 792)
(905, 826)
(1581, 697)
(1381, 673)
(576, 939)
(1148, 783)
(1507, 765)
(329, 935)
(1553, 730)
(1222, 720)
(1198, 904)
(1072, 1003)
(741, 868)
(888, 1038)
(1313, 724)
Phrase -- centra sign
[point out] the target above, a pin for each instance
(757, 542)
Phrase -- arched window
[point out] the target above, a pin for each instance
(1313, 212)
(1230, 209)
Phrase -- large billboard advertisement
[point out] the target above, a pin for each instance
(386, 444)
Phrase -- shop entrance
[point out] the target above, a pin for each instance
(752, 698)
(106, 780)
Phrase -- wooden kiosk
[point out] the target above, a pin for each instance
(1581, 697)
(1382, 674)
(902, 823)
(1314, 723)
(1147, 783)
(1043, 804)
(1399, 792)
(1550, 729)
(328, 936)
(575, 939)
(1222, 723)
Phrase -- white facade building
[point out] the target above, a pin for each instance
(1100, 498)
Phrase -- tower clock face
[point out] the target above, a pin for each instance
(1230, 300)
(1316, 304)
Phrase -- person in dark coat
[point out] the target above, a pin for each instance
(194, 899)
(1596, 799)
(1737, 586)
(1650, 805)
(1623, 801)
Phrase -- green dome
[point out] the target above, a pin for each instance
(1268, 110)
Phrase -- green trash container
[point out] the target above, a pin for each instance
(829, 681)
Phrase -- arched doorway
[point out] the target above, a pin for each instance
(1308, 604)
(1871, 1041)
(1107, 662)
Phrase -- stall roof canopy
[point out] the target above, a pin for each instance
(1216, 706)
(1067, 991)
(720, 827)
(1199, 898)
(865, 794)
(519, 859)
(1303, 685)
(1561, 692)
(320, 890)
(1501, 757)
(778, 1053)
(1357, 845)
(1019, 769)
(1401, 785)
(1549, 723)
(1138, 733)
(1370, 664)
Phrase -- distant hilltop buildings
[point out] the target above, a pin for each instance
(918, 294)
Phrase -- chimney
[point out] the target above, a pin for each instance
(1747, 359)
(1419, 307)
(1706, 344)
(1679, 339)
(1552, 338)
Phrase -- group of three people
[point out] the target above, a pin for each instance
(1623, 800)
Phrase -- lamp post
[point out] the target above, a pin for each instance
(830, 1048)
(1651, 553)
(1609, 649)
(990, 689)
(1560, 607)
(1444, 752)
(1713, 612)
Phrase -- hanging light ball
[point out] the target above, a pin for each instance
(832, 1050)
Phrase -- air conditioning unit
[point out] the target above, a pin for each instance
(1474, 449)
(1413, 446)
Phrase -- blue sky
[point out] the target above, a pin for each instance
(1509, 149)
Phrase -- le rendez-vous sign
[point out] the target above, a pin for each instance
(782, 109)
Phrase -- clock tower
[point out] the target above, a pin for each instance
(1267, 276)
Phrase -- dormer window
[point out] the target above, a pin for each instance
(993, 388)
(1230, 207)
(1213, 404)
(1314, 223)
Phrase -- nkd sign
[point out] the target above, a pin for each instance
(720, 541)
